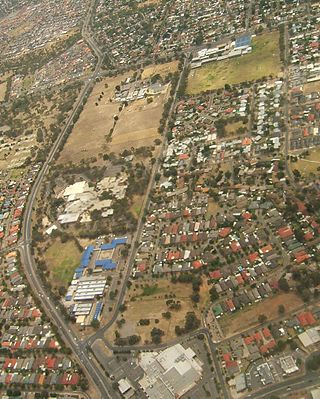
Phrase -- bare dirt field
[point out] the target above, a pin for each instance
(152, 306)
(248, 317)
(161, 69)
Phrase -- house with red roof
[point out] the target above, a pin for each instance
(235, 246)
(253, 257)
(266, 333)
(224, 232)
(301, 257)
(215, 275)
(285, 232)
(266, 249)
(306, 319)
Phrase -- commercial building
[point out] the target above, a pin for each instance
(170, 373)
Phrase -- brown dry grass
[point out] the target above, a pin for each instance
(161, 69)
(213, 207)
(148, 3)
(311, 87)
(88, 137)
(231, 128)
(138, 125)
(3, 89)
(248, 317)
(309, 164)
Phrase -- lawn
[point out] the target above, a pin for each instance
(136, 205)
(264, 60)
(248, 317)
(62, 259)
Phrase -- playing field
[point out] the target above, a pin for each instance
(62, 259)
(264, 60)
(248, 317)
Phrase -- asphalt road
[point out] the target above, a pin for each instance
(287, 386)
(94, 373)
(134, 244)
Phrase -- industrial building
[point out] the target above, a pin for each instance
(90, 281)
(170, 373)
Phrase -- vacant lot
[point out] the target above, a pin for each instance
(161, 69)
(311, 87)
(137, 124)
(150, 302)
(232, 128)
(248, 317)
(62, 259)
(264, 60)
(88, 137)
(3, 89)
(309, 164)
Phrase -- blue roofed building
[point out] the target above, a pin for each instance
(243, 42)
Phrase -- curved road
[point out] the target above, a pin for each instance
(94, 373)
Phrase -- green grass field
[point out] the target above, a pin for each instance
(264, 60)
(62, 259)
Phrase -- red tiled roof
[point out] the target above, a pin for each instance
(224, 232)
(266, 249)
(252, 257)
(306, 319)
(235, 246)
(308, 236)
(257, 336)
(266, 332)
(285, 232)
(301, 256)
(197, 264)
(216, 274)
(226, 357)
(247, 215)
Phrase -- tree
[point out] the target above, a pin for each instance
(281, 309)
(283, 284)
(262, 318)
(156, 335)
(95, 324)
